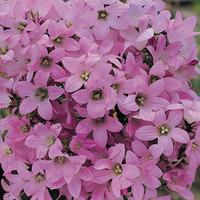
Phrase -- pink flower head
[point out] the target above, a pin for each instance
(179, 181)
(146, 100)
(35, 182)
(100, 128)
(96, 101)
(9, 160)
(38, 95)
(47, 62)
(82, 146)
(82, 70)
(102, 18)
(60, 38)
(121, 175)
(164, 130)
(44, 139)
(98, 95)
(19, 129)
(64, 169)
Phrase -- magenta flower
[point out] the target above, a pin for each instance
(38, 95)
(44, 139)
(164, 130)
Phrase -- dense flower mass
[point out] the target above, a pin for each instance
(96, 100)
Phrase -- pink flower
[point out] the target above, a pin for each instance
(44, 139)
(82, 146)
(149, 174)
(179, 181)
(45, 61)
(164, 130)
(19, 129)
(121, 175)
(146, 100)
(194, 147)
(4, 98)
(38, 95)
(60, 38)
(67, 169)
(102, 18)
(35, 182)
(82, 70)
(9, 160)
(98, 95)
(100, 128)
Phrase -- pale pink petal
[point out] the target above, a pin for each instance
(146, 114)
(41, 78)
(130, 103)
(73, 83)
(102, 164)
(138, 190)
(156, 88)
(175, 117)
(117, 153)
(130, 171)
(54, 92)
(147, 34)
(167, 144)
(81, 96)
(160, 118)
(71, 44)
(171, 84)
(115, 185)
(111, 99)
(156, 150)
(100, 137)
(28, 105)
(45, 110)
(157, 103)
(84, 127)
(25, 88)
(96, 109)
(146, 133)
(179, 135)
(74, 186)
(113, 125)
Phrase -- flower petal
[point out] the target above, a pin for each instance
(45, 110)
(54, 92)
(146, 133)
(73, 83)
(179, 135)
(28, 105)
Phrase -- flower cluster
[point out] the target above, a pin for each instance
(97, 100)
